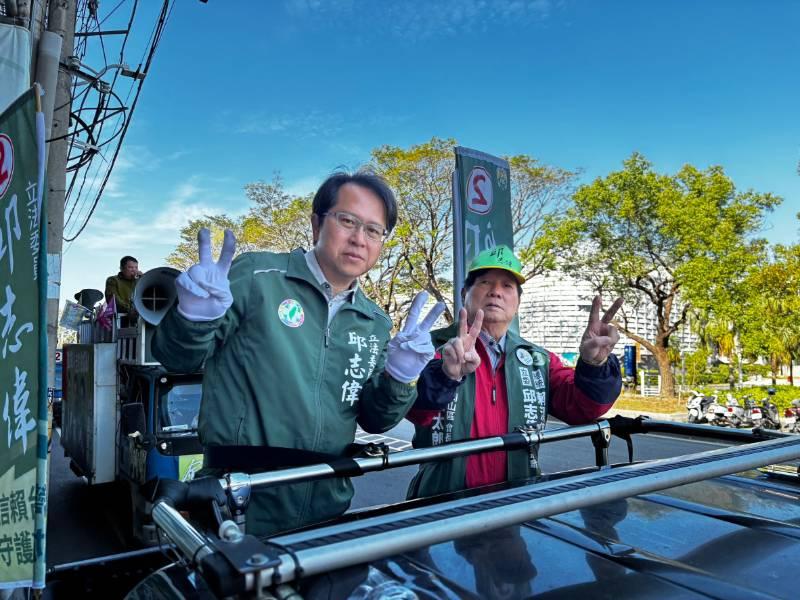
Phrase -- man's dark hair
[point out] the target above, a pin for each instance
(472, 276)
(124, 261)
(326, 195)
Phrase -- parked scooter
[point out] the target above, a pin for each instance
(753, 416)
(769, 411)
(697, 406)
(734, 412)
(791, 417)
(716, 413)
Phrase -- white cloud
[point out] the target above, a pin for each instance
(132, 160)
(131, 227)
(310, 124)
(422, 19)
(176, 155)
(314, 123)
(304, 185)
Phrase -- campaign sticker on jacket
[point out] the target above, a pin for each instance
(539, 359)
(291, 313)
(524, 357)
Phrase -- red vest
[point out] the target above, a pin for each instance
(491, 418)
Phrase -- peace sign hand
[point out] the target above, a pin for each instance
(459, 357)
(204, 293)
(411, 349)
(600, 336)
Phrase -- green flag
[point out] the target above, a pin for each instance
(481, 209)
(23, 346)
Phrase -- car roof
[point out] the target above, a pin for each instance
(732, 536)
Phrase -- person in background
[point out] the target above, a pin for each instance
(295, 354)
(122, 285)
(486, 380)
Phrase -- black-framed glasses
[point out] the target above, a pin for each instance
(373, 231)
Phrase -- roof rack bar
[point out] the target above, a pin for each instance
(337, 546)
(324, 549)
(186, 538)
(711, 431)
(512, 441)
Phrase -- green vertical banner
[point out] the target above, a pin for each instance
(481, 209)
(23, 345)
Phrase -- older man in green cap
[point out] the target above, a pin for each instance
(486, 380)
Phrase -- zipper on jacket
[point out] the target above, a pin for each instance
(318, 405)
(494, 380)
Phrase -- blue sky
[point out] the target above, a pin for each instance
(240, 90)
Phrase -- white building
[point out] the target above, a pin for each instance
(555, 310)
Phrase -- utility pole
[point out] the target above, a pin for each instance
(60, 21)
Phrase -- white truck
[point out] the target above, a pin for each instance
(126, 419)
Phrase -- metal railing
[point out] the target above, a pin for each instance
(326, 548)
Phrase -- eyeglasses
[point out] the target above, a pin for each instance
(373, 231)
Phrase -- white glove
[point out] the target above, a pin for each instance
(204, 293)
(411, 349)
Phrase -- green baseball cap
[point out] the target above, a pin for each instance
(499, 257)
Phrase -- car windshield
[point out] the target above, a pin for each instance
(179, 407)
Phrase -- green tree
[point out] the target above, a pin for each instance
(185, 254)
(770, 323)
(720, 298)
(276, 221)
(666, 241)
(422, 251)
(280, 222)
(418, 254)
(539, 193)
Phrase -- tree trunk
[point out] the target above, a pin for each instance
(659, 350)
(773, 363)
(667, 380)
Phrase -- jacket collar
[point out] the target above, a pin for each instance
(298, 269)
(316, 271)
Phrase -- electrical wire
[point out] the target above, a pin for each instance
(92, 175)
(87, 154)
(83, 161)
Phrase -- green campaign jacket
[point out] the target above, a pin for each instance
(531, 393)
(277, 374)
(122, 289)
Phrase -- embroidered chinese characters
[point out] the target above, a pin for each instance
(442, 432)
(361, 365)
(533, 397)
(534, 403)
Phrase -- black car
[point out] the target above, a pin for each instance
(710, 525)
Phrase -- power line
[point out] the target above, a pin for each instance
(84, 164)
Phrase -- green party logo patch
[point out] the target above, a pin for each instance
(291, 313)
(539, 359)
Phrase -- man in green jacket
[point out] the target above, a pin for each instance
(490, 381)
(121, 286)
(295, 354)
